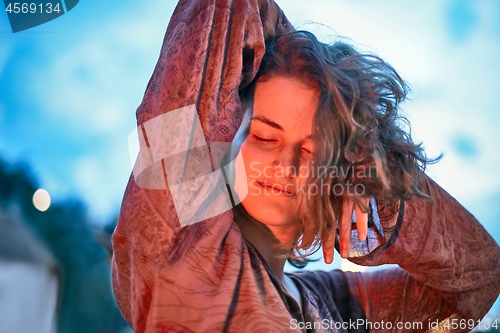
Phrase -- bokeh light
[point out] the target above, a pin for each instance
(41, 200)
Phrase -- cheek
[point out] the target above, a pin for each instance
(256, 162)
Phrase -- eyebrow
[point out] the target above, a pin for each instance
(268, 122)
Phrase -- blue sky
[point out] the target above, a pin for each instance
(69, 88)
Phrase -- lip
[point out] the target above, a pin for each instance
(276, 188)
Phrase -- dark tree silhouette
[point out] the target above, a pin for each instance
(86, 302)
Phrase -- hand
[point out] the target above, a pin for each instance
(345, 223)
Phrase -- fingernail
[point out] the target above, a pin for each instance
(362, 236)
(345, 252)
(325, 256)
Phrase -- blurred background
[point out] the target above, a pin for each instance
(68, 94)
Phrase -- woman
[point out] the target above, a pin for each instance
(224, 272)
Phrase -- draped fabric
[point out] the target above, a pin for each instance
(171, 276)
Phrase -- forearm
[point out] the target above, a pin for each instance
(443, 247)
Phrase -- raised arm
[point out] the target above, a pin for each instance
(449, 274)
(169, 276)
(450, 267)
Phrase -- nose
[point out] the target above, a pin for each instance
(287, 162)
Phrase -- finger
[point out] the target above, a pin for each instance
(361, 223)
(345, 228)
(328, 247)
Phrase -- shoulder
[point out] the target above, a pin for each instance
(331, 291)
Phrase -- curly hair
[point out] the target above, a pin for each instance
(356, 127)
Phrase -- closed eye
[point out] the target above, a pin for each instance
(258, 138)
(307, 151)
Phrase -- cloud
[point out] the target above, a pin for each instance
(5, 53)
(85, 88)
(93, 183)
(487, 210)
(97, 83)
(100, 177)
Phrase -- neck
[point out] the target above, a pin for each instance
(273, 242)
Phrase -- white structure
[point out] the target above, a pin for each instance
(29, 280)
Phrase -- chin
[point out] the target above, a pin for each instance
(270, 213)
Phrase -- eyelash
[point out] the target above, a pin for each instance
(258, 138)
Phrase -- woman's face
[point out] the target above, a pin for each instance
(278, 150)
